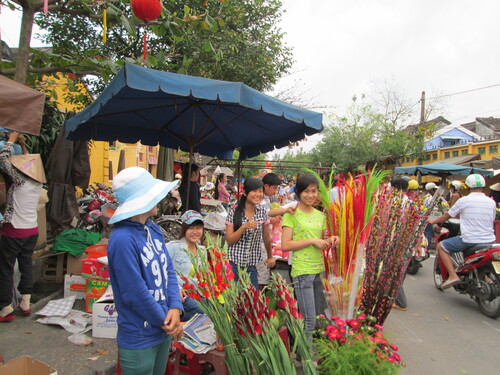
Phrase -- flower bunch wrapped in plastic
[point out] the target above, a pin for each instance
(349, 217)
(354, 346)
(398, 226)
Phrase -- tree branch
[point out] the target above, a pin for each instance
(54, 69)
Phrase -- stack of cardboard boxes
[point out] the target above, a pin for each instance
(88, 279)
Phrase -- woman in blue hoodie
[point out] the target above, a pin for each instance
(142, 275)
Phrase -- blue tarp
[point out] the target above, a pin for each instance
(442, 169)
(195, 114)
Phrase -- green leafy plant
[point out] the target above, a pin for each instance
(354, 346)
(52, 123)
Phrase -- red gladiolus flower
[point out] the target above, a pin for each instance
(218, 269)
(282, 305)
(258, 329)
(241, 332)
(195, 296)
(206, 294)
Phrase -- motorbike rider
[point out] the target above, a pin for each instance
(440, 207)
(455, 193)
(477, 213)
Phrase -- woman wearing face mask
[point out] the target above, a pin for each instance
(182, 252)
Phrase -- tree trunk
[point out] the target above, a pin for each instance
(22, 58)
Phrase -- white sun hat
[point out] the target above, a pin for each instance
(430, 186)
(137, 192)
(209, 186)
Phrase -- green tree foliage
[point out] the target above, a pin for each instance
(365, 136)
(230, 40)
(52, 123)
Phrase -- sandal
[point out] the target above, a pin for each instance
(25, 312)
(449, 283)
(7, 318)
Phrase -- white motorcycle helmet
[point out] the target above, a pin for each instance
(456, 184)
(475, 181)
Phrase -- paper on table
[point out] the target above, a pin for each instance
(206, 334)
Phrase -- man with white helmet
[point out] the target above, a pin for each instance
(477, 213)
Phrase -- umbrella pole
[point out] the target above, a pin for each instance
(238, 173)
(191, 153)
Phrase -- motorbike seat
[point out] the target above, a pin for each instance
(476, 249)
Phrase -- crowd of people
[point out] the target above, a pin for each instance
(148, 275)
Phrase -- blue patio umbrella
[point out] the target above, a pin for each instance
(194, 114)
(442, 169)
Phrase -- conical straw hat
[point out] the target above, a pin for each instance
(495, 187)
(31, 165)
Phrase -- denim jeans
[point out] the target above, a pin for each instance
(148, 361)
(429, 233)
(310, 298)
(191, 308)
(252, 271)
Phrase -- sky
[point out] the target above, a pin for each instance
(344, 47)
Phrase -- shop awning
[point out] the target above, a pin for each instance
(459, 160)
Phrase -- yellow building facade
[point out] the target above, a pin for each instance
(485, 149)
(104, 158)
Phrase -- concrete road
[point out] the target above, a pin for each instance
(443, 332)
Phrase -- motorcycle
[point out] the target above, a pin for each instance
(419, 254)
(479, 272)
(96, 208)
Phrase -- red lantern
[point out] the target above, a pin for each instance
(146, 10)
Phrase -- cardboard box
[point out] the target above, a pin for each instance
(74, 264)
(89, 302)
(95, 289)
(104, 316)
(75, 286)
(26, 365)
(92, 268)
